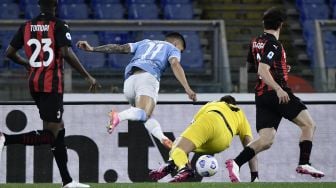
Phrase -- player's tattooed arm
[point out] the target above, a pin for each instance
(113, 48)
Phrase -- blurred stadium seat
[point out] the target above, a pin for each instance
(178, 11)
(118, 61)
(154, 35)
(5, 38)
(164, 2)
(329, 39)
(192, 59)
(31, 11)
(8, 1)
(312, 11)
(308, 29)
(23, 3)
(13, 65)
(109, 11)
(71, 1)
(88, 36)
(95, 2)
(3, 46)
(299, 3)
(330, 58)
(115, 37)
(309, 35)
(192, 39)
(143, 11)
(9, 11)
(74, 11)
(140, 2)
(332, 3)
(2, 63)
(91, 60)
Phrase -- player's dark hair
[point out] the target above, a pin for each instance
(48, 3)
(273, 18)
(176, 35)
(228, 99)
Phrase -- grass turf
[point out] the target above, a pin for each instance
(184, 185)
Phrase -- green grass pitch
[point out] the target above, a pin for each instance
(185, 185)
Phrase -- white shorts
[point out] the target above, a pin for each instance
(141, 84)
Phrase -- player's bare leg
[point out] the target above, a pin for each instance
(152, 125)
(307, 126)
(178, 161)
(179, 154)
(264, 142)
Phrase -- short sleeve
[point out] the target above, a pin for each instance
(17, 41)
(272, 53)
(244, 128)
(250, 60)
(174, 53)
(135, 45)
(62, 34)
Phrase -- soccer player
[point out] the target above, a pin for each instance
(210, 132)
(142, 77)
(46, 41)
(274, 99)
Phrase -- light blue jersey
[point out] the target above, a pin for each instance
(151, 56)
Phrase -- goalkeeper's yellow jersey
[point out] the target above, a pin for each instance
(214, 126)
(234, 115)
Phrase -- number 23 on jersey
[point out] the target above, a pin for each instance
(43, 46)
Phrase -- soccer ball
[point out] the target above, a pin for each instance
(207, 166)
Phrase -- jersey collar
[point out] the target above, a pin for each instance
(46, 14)
(269, 35)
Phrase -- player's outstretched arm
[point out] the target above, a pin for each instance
(180, 76)
(74, 62)
(108, 48)
(12, 54)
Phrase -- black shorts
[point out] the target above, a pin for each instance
(50, 106)
(269, 111)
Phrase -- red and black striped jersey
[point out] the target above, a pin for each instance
(267, 49)
(42, 39)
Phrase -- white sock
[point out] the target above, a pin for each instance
(153, 126)
(133, 113)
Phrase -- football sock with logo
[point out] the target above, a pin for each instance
(153, 126)
(133, 113)
(305, 150)
(246, 155)
(31, 138)
(179, 157)
(61, 157)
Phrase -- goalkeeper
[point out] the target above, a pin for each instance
(210, 132)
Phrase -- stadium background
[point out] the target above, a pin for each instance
(217, 33)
